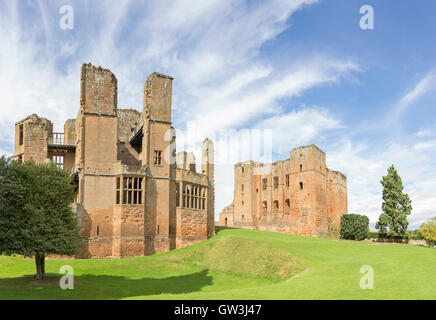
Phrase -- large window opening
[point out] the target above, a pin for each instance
(264, 207)
(264, 183)
(276, 182)
(287, 180)
(194, 196)
(131, 190)
(276, 206)
(58, 161)
(21, 128)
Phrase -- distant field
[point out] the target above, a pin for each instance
(238, 264)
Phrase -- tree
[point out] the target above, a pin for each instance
(36, 218)
(354, 226)
(396, 206)
(428, 232)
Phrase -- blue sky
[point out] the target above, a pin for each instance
(303, 69)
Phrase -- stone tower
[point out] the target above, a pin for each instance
(208, 169)
(96, 126)
(158, 156)
(307, 173)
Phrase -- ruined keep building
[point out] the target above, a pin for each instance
(135, 196)
(299, 195)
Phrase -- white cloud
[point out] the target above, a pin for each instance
(298, 127)
(425, 85)
(365, 165)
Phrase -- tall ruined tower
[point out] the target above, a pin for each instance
(208, 168)
(96, 126)
(307, 171)
(158, 156)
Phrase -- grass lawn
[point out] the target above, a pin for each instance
(238, 264)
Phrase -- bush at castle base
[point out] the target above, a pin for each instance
(354, 226)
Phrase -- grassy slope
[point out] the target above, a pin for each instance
(238, 264)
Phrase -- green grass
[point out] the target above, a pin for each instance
(238, 264)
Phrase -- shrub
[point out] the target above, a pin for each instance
(428, 232)
(414, 235)
(354, 226)
(372, 235)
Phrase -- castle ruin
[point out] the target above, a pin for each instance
(299, 195)
(135, 195)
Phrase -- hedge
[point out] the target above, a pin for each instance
(354, 226)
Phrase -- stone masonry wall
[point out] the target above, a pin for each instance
(290, 196)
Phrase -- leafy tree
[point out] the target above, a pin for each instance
(396, 206)
(36, 217)
(354, 226)
(428, 232)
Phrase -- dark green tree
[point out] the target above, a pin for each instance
(36, 218)
(396, 206)
(354, 226)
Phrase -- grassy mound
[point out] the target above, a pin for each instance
(241, 257)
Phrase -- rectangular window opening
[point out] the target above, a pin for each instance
(131, 190)
(157, 158)
(21, 134)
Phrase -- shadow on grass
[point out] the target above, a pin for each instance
(90, 286)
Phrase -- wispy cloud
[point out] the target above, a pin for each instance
(425, 85)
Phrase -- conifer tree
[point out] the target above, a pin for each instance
(396, 206)
(36, 217)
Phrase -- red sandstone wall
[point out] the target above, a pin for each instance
(160, 199)
(337, 196)
(308, 204)
(191, 226)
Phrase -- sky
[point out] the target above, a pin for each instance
(288, 73)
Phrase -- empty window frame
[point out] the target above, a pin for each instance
(194, 196)
(157, 158)
(275, 205)
(276, 182)
(177, 194)
(264, 183)
(132, 190)
(287, 207)
(287, 180)
(264, 207)
(21, 130)
(118, 191)
(58, 161)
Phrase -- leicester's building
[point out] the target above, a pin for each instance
(135, 195)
